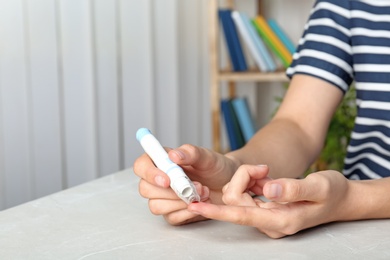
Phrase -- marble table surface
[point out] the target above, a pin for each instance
(107, 219)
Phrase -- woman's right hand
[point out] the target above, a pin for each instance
(209, 171)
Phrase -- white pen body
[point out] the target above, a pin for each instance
(180, 183)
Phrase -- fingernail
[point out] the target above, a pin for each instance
(160, 181)
(275, 190)
(205, 194)
(180, 154)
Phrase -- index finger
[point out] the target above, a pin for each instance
(247, 216)
(145, 169)
(247, 178)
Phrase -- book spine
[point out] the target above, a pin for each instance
(282, 35)
(258, 42)
(235, 137)
(245, 118)
(241, 62)
(243, 30)
(271, 39)
(228, 38)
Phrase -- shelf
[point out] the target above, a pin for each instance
(219, 75)
(254, 76)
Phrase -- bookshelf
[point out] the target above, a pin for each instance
(218, 75)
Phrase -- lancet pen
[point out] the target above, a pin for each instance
(180, 183)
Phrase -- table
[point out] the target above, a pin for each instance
(107, 219)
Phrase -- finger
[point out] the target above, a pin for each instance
(164, 207)
(198, 158)
(236, 192)
(150, 191)
(235, 214)
(182, 217)
(145, 169)
(312, 188)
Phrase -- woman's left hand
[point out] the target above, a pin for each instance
(294, 204)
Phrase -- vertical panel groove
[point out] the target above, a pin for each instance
(119, 87)
(152, 47)
(28, 98)
(96, 111)
(2, 167)
(61, 102)
(27, 46)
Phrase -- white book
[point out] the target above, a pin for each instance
(260, 61)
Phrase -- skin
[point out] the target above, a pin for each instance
(268, 165)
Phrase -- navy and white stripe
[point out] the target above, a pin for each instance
(346, 41)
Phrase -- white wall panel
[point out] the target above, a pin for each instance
(15, 103)
(78, 91)
(137, 70)
(189, 89)
(166, 58)
(79, 77)
(110, 151)
(44, 92)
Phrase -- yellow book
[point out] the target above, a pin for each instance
(275, 43)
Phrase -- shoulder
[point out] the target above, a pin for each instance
(339, 3)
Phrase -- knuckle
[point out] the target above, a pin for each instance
(286, 227)
(230, 198)
(322, 182)
(154, 208)
(244, 167)
(173, 219)
(143, 190)
(138, 166)
(189, 148)
(294, 190)
(240, 218)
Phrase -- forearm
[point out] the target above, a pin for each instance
(367, 199)
(281, 145)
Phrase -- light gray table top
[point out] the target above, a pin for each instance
(107, 219)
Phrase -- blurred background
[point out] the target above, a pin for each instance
(79, 77)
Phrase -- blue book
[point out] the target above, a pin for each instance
(258, 43)
(236, 140)
(282, 36)
(232, 40)
(244, 117)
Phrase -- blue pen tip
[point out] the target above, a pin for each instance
(141, 133)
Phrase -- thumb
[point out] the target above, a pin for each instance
(194, 156)
(292, 190)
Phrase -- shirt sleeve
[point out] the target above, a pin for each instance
(325, 51)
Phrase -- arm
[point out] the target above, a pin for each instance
(295, 136)
(288, 145)
(368, 199)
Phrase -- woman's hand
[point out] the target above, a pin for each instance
(294, 204)
(201, 165)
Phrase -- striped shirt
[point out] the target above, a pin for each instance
(346, 41)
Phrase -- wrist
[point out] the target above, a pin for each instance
(360, 202)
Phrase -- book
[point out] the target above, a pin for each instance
(259, 43)
(282, 35)
(236, 139)
(232, 40)
(244, 116)
(242, 29)
(272, 40)
(256, 46)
